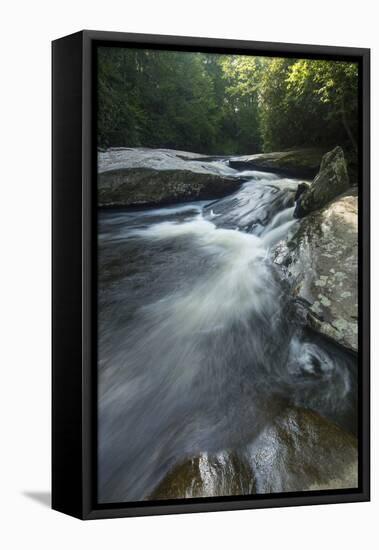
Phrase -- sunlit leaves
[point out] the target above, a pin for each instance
(224, 103)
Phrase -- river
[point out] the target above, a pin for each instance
(200, 345)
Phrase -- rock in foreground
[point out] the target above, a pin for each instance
(301, 163)
(223, 474)
(302, 451)
(331, 181)
(320, 263)
(299, 451)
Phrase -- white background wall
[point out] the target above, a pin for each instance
(26, 31)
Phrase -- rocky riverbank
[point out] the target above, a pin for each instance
(150, 177)
(320, 261)
(298, 163)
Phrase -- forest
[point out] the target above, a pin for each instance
(224, 104)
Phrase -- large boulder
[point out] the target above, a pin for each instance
(116, 158)
(143, 177)
(320, 264)
(298, 451)
(331, 181)
(302, 451)
(146, 187)
(300, 163)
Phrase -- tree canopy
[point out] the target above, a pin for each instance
(224, 104)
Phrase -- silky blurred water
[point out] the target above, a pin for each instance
(199, 345)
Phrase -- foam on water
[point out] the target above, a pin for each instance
(199, 347)
(239, 285)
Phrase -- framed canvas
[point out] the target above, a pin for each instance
(210, 275)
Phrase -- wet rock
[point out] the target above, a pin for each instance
(331, 181)
(142, 177)
(302, 451)
(302, 163)
(302, 187)
(253, 207)
(320, 263)
(298, 451)
(223, 474)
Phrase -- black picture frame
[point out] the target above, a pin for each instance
(74, 406)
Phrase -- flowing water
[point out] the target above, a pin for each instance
(199, 344)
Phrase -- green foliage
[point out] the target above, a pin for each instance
(155, 99)
(241, 110)
(224, 104)
(309, 102)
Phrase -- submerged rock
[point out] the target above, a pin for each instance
(143, 177)
(331, 181)
(302, 163)
(301, 188)
(254, 206)
(298, 451)
(321, 265)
